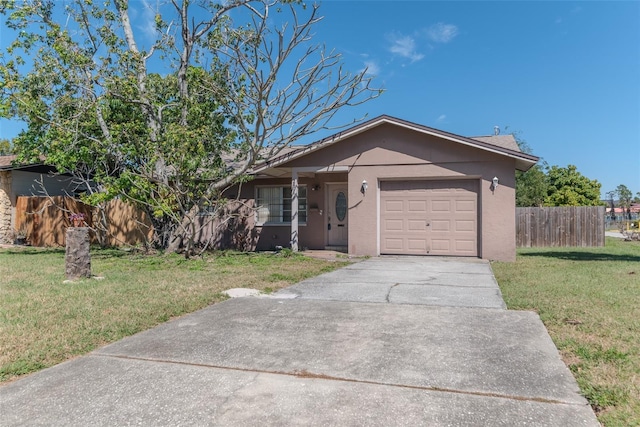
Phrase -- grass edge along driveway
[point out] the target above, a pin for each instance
(44, 321)
(589, 301)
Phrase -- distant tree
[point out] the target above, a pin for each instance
(610, 197)
(5, 147)
(637, 198)
(624, 198)
(568, 187)
(531, 186)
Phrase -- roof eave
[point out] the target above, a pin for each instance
(526, 164)
(524, 161)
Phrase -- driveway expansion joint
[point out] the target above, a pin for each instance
(304, 374)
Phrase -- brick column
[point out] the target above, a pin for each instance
(6, 230)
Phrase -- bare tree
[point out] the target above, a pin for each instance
(226, 92)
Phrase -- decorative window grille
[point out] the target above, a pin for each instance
(274, 205)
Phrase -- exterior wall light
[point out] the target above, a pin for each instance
(364, 186)
(494, 183)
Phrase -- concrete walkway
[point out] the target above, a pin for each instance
(387, 341)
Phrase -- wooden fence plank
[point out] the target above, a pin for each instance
(571, 226)
(46, 219)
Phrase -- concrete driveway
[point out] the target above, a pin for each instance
(450, 282)
(387, 341)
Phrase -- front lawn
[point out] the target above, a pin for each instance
(44, 321)
(589, 300)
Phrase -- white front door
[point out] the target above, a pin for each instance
(337, 215)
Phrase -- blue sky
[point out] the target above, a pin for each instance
(564, 75)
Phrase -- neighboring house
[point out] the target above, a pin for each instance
(24, 180)
(389, 186)
(623, 213)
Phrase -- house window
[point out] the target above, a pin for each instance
(274, 205)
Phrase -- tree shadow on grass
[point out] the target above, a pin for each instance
(95, 253)
(583, 256)
(26, 250)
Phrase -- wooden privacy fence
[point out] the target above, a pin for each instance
(560, 226)
(46, 219)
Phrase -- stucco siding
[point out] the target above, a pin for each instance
(311, 234)
(389, 152)
(389, 145)
(496, 210)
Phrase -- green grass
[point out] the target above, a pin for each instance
(589, 300)
(44, 321)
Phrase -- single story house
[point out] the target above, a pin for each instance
(385, 186)
(389, 186)
(24, 180)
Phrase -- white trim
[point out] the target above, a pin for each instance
(379, 224)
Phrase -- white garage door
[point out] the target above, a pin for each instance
(429, 217)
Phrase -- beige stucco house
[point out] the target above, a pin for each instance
(385, 186)
(389, 186)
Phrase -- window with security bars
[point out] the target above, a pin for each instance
(274, 205)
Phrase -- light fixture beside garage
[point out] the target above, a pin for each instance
(364, 186)
(494, 183)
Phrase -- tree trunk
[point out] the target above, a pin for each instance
(77, 256)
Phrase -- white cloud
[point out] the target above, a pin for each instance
(372, 68)
(442, 33)
(147, 21)
(404, 46)
(441, 118)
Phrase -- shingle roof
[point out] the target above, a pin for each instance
(500, 144)
(504, 141)
(6, 162)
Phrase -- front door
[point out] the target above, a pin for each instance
(337, 215)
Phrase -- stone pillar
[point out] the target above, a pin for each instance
(77, 257)
(6, 230)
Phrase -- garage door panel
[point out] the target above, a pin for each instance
(416, 225)
(438, 245)
(441, 206)
(394, 206)
(429, 217)
(393, 244)
(440, 225)
(393, 225)
(417, 206)
(468, 225)
(468, 246)
(465, 206)
(417, 245)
